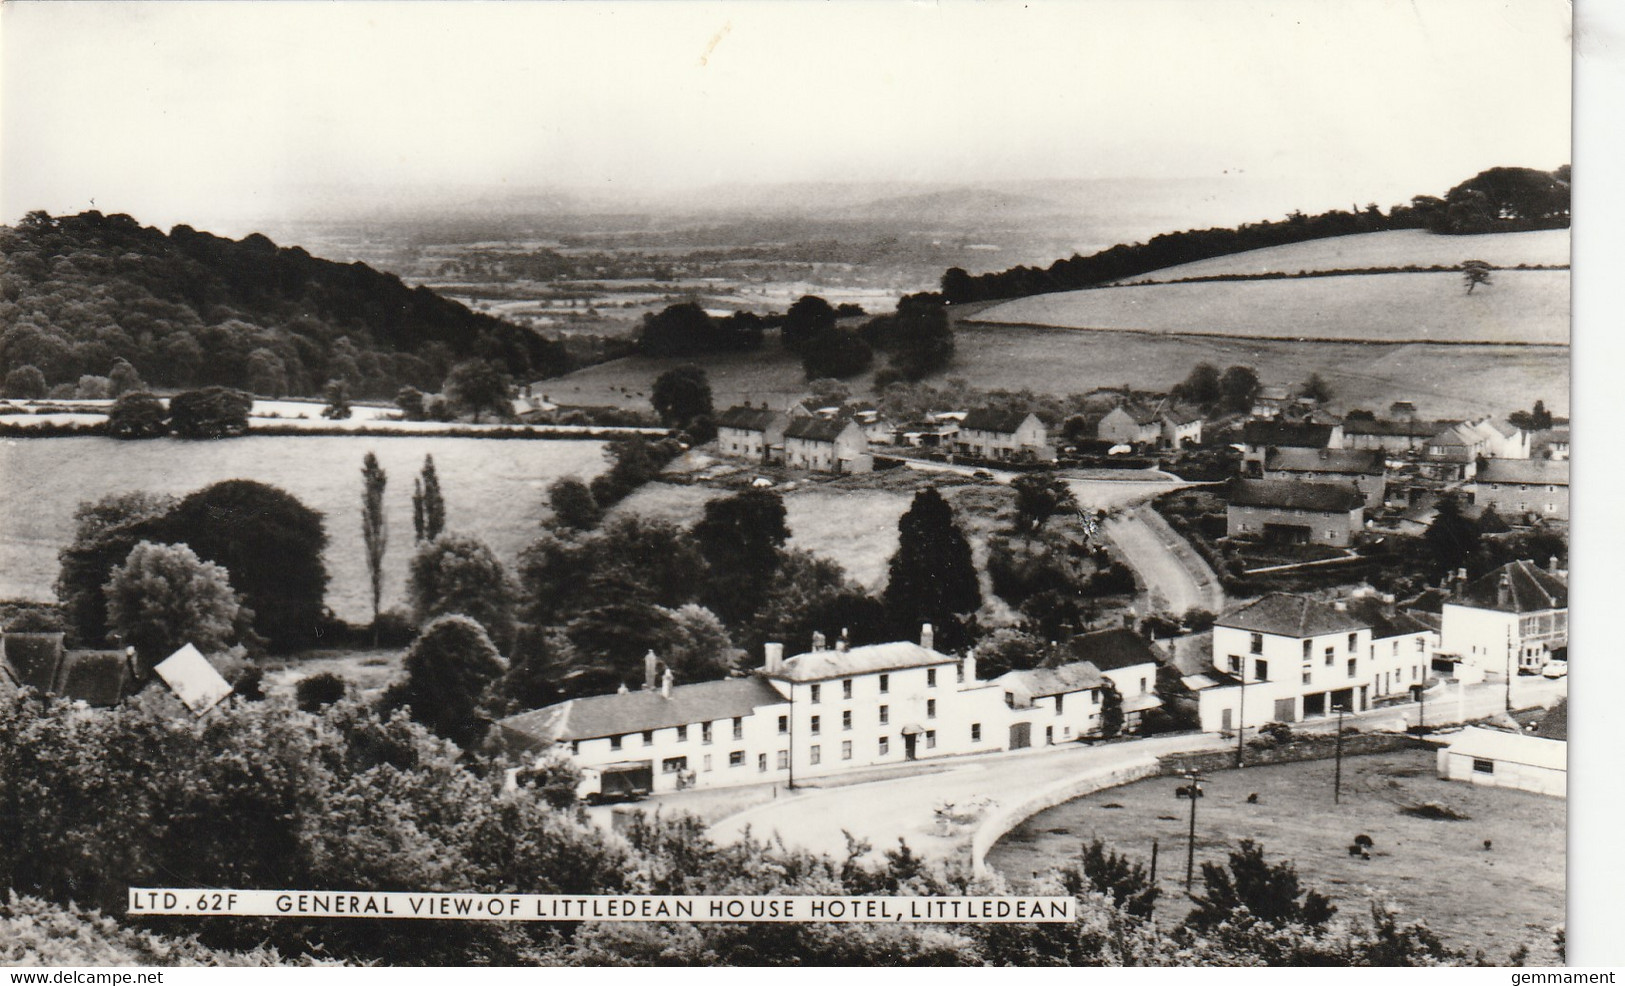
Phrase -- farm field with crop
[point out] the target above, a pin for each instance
(494, 489)
(1519, 307)
(1395, 248)
(1430, 869)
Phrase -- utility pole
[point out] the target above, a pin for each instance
(1241, 715)
(1153, 862)
(790, 741)
(1337, 776)
(1509, 667)
(1193, 788)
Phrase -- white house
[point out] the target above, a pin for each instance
(1052, 705)
(755, 433)
(1181, 425)
(1511, 619)
(1002, 435)
(1402, 645)
(1500, 758)
(1129, 661)
(1130, 424)
(834, 445)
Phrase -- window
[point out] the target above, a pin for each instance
(1352, 662)
(739, 727)
(959, 672)
(1306, 677)
(673, 765)
(1261, 671)
(976, 732)
(1010, 700)
(784, 759)
(885, 684)
(930, 677)
(885, 745)
(846, 749)
(817, 724)
(1396, 649)
(815, 754)
(885, 714)
(736, 758)
(846, 688)
(784, 725)
(1142, 684)
(1308, 645)
(708, 761)
(846, 719)
(1421, 645)
(1354, 639)
(575, 747)
(1257, 643)
(816, 690)
(705, 732)
(1235, 664)
(761, 763)
(648, 737)
(682, 734)
(930, 739)
(614, 742)
(1060, 706)
(1483, 766)
(1331, 657)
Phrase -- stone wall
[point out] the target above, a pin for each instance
(1294, 752)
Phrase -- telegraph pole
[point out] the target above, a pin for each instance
(1337, 776)
(1241, 715)
(1509, 667)
(1193, 787)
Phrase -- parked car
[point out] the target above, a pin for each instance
(981, 474)
(1555, 669)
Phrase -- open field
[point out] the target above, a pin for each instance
(1397, 248)
(1444, 381)
(494, 490)
(769, 374)
(1434, 870)
(1519, 307)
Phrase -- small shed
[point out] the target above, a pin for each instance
(1500, 758)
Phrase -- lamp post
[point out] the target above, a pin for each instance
(1193, 789)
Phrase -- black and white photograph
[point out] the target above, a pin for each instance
(755, 483)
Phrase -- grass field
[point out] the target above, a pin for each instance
(494, 490)
(768, 374)
(1434, 870)
(1398, 248)
(1519, 307)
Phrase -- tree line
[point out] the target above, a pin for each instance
(82, 294)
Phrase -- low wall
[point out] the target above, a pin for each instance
(1294, 752)
(996, 824)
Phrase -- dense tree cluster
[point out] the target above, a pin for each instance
(1494, 200)
(686, 329)
(97, 295)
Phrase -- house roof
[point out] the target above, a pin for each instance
(1538, 472)
(1181, 414)
(1287, 615)
(1278, 433)
(817, 429)
(1139, 413)
(9, 685)
(1509, 747)
(1365, 462)
(633, 712)
(1460, 433)
(1272, 393)
(1288, 494)
(1078, 676)
(747, 418)
(34, 658)
(1112, 649)
(989, 419)
(1385, 621)
(1192, 653)
(193, 679)
(1531, 589)
(95, 677)
(821, 665)
(1409, 427)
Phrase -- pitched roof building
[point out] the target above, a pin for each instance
(1298, 512)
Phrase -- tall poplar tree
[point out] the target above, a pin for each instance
(374, 530)
(428, 506)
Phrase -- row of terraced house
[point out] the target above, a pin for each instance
(839, 441)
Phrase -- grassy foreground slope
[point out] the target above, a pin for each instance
(1394, 248)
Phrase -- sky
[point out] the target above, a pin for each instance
(216, 113)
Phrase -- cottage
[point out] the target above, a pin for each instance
(1130, 424)
(1129, 661)
(754, 433)
(1453, 453)
(1063, 703)
(1523, 488)
(1366, 470)
(1003, 436)
(1258, 437)
(1552, 443)
(1394, 436)
(1282, 658)
(1299, 513)
(1501, 758)
(1512, 619)
(1269, 401)
(832, 445)
(1181, 425)
(1402, 645)
(875, 427)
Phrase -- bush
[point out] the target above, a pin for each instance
(137, 415)
(25, 383)
(214, 412)
(319, 691)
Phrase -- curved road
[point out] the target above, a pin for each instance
(1176, 578)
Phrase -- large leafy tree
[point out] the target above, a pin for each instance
(448, 669)
(1203, 385)
(573, 505)
(213, 412)
(681, 395)
(807, 317)
(1040, 496)
(1238, 388)
(1453, 538)
(740, 537)
(458, 574)
(932, 576)
(270, 543)
(105, 532)
(476, 386)
(163, 596)
(137, 415)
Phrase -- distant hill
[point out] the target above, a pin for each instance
(79, 293)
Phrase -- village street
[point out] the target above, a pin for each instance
(904, 803)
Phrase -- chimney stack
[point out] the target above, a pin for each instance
(1503, 590)
(665, 684)
(1551, 565)
(774, 657)
(622, 690)
(928, 637)
(817, 641)
(843, 641)
(969, 664)
(651, 671)
(1341, 605)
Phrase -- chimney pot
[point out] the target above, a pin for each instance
(774, 654)
(928, 638)
(651, 671)
(1551, 565)
(1341, 605)
(665, 684)
(622, 690)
